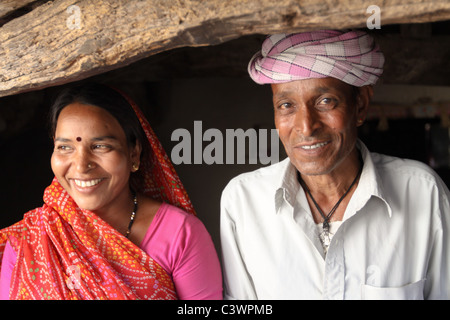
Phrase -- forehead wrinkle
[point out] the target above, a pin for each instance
(102, 138)
(290, 92)
(95, 139)
(62, 139)
(324, 89)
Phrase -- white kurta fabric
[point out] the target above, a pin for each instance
(393, 242)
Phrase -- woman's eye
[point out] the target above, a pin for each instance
(63, 148)
(101, 147)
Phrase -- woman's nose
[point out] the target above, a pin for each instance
(83, 161)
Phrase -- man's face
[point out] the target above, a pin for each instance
(317, 123)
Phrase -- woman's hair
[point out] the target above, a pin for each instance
(112, 101)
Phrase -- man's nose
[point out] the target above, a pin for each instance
(307, 121)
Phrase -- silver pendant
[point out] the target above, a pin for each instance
(325, 239)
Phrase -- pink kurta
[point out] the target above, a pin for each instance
(176, 240)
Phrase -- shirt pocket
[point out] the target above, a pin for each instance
(411, 291)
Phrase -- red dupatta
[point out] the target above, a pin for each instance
(64, 252)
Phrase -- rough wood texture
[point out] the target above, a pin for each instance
(44, 47)
(9, 6)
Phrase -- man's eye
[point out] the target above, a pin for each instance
(284, 106)
(327, 103)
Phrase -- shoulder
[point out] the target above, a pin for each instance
(177, 217)
(265, 177)
(177, 225)
(394, 168)
(170, 233)
(411, 181)
(173, 235)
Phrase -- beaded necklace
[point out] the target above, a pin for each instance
(133, 214)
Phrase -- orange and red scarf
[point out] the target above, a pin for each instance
(64, 252)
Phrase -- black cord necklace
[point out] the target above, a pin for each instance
(325, 234)
(133, 214)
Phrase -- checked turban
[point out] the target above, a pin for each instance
(352, 57)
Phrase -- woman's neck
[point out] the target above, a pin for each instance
(118, 213)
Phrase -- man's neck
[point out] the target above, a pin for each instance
(328, 189)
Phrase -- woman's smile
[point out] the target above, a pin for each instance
(91, 159)
(86, 185)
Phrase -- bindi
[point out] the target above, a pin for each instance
(78, 139)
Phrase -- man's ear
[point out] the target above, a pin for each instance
(362, 103)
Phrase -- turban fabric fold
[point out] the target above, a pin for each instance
(350, 56)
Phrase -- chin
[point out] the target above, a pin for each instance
(313, 173)
(86, 204)
(313, 169)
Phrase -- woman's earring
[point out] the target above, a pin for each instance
(135, 167)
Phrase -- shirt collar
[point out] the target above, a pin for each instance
(369, 185)
(288, 186)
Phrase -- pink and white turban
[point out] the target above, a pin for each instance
(352, 57)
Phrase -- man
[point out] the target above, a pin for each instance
(332, 221)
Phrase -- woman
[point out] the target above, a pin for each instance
(116, 222)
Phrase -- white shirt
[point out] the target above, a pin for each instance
(393, 242)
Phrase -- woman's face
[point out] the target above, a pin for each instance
(91, 157)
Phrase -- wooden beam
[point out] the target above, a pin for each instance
(66, 40)
(9, 6)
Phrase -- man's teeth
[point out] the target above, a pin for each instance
(88, 183)
(314, 146)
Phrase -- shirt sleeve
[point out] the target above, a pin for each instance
(197, 273)
(238, 284)
(437, 285)
(180, 243)
(7, 266)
